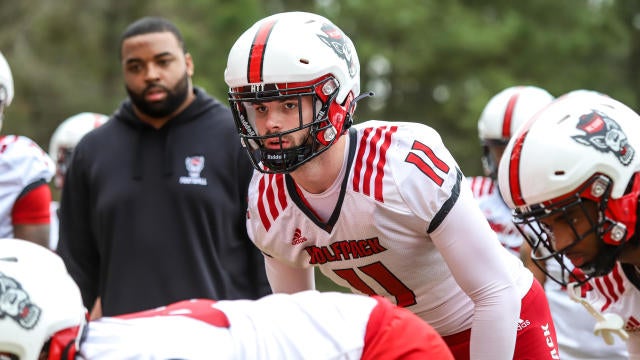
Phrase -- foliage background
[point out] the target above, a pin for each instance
(429, 61)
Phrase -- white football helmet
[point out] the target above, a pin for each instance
(66, 137)
(579, 149)
(6, 86)
(290, 55)
(503, 115)
(38, 299)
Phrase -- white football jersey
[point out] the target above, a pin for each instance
(299, 326)
(619, 292)
(22, 163)
(485, 191)
(400, 187)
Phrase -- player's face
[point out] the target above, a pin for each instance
(496, 152)
(157, 73)
(274, 117)
(573, 231)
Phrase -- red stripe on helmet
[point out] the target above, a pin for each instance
(514, 170)
(256, 53)
(508, 116)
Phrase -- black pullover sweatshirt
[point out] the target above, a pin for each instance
(152, 216)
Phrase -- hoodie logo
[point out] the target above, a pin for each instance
(194, 166)
(15, 303)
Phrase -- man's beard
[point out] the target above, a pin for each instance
(159, 109)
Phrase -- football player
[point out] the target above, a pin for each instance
(500, 119)
(382, 208)
(42, 317)
(26, 170)
(572, 176)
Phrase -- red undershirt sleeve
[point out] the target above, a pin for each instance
(33, 205)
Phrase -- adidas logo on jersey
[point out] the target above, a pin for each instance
(298, 238)
(523, 324)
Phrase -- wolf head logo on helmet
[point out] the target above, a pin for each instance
(38, 301)
(15, 303)
(604, 134)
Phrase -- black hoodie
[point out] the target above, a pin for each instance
(152, 216)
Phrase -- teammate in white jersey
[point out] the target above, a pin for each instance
(63, 140)
(501, 117)
(25, 171)
(581, 201)
(42, 316)
(381, 208)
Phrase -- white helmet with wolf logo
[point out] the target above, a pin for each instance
(38, 299)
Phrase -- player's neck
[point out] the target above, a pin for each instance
(319, 174)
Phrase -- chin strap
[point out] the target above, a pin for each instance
(607, 324)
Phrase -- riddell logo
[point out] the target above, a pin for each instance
(298, 238)
(632, 325)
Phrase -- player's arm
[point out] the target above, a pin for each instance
(286, 279)
(472, 252)
(31, 214)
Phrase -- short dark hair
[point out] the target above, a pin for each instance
(152, 24)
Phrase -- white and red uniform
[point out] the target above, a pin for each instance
(485, 191)
(406, 227)
(306, 325)
(619, 292)
(25, 170)
(574, 326)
